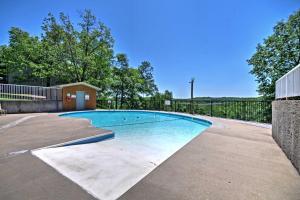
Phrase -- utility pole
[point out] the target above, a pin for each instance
(192, 95)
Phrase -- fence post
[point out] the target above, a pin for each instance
(174, 106)
(211, 112)
(159, 104)
(244, 110)
(225, 109)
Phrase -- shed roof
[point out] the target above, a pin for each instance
(78, 83)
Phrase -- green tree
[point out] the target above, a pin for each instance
(161, 97)
(129, 84)
(148, 86)
(3, 68)
(29, 58)
(278, 54)
(54, 63)
(22, 56)
(64, 53)
(134, 88)
(88, 52)
(168, 95)
(121, 78)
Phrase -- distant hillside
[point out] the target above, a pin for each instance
(225, 99)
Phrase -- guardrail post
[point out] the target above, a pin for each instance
(211, 112)
(175, 106)
(225, 109)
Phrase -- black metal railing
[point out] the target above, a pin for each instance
(258, 111)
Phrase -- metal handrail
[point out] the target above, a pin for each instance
(26, 92)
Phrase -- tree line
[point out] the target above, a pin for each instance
(66, 53)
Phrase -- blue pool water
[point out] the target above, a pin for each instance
(145, 125)
(143, 140)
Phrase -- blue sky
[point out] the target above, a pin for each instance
(208, 40)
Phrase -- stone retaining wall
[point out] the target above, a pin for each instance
(286, 128)
(23, 106)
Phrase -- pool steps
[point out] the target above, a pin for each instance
(85, 140)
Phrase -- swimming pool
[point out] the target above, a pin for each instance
(142, 141)
(132, 124)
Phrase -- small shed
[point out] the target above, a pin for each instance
(78, 96)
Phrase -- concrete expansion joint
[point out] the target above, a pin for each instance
(14, 153)
(19, 121)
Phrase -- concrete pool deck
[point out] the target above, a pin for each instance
(22, 175)
(230, 160)
(31, 131)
